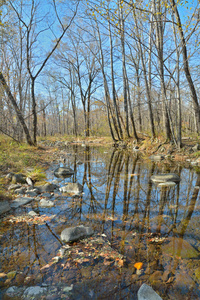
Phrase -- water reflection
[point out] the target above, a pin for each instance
(119, 200)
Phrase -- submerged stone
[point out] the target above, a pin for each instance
(63, 172)
(179, 247)
(147, 293)
(76, 233)
(71, 187)
(169, 177)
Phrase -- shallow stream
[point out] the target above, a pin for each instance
(134, 221)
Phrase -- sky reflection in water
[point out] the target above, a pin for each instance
(119, 200)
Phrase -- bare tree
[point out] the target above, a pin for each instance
(31, 38)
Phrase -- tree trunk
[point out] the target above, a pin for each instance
(148, 91)
(121, 20)
(34, 110)
(16, 108)
(113, 87)
(186, 66)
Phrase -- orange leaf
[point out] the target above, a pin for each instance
(138, 265)
(120, 262)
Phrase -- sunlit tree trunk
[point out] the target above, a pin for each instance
(116, 108)
(124, 74)
(148, 91)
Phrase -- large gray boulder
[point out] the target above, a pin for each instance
(76, 233)
(165, 177)
(147, 293)
(63, 172)
(70, 187)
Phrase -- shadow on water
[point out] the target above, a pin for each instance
(156, 226)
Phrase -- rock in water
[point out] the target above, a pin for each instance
(147, 293)
(165, 177)
(63, 172)
(46, 203)
(71, 187)
(76, 233)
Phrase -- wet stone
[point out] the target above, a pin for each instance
(76, 233)
(71, 187)
(32, 213)
(165, 178)
(46, 203)
(63, 171)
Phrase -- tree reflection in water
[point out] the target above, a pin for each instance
(119, 200)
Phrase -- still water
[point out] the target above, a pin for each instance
(134, 220)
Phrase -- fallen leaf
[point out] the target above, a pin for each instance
(120, 262)
(138, 265)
